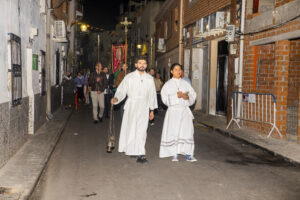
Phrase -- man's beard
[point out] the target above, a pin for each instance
(141, 69)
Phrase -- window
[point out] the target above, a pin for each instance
(166, 30)
(16, 69)
(255, 6)
(175, 19)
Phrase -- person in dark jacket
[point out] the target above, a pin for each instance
(68, 91)
(108, 93)
(98, 83)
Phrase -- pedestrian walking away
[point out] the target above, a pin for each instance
(68, 91)
(98, 83)
(178, 130)
(79, 82)
(108, 92)
(140, 89)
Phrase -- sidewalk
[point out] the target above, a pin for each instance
(21, 173)
(288, 150)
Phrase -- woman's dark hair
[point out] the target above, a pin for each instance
(175, 64)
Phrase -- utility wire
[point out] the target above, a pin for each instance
(270, 28)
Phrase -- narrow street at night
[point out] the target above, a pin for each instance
(226, 169)
(220, 79)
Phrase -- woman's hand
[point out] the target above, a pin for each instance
(185, 96)
(179, 94)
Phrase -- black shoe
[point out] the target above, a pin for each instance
(141, 159)
(95, 121)
(100, 119)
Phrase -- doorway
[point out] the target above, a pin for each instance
(222, 78)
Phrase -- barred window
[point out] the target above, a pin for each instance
(16, 69)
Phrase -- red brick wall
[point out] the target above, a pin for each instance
(294, 73)
(298, 116)
(201, 8)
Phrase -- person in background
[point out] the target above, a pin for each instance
(185, 77)
(119, 78)
(79, 83)
(68, 91)
(86, 90)
(152, 72)
(158, 85)
(178, 129)
(98, 83)
(108, 92)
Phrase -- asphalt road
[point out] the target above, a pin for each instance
(227, 169)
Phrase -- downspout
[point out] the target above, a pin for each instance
(180, 32)
(242, 45)
(48, 76)
(240, 77)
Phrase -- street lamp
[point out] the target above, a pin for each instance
(84, 28)
(139, 47)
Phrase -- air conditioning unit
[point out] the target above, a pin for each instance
(217, 20)
(161, 45)
(59, 29)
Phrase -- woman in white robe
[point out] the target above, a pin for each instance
(141, 97)
(178, 130)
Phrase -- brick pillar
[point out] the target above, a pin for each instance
(280, 87)
(298, 116)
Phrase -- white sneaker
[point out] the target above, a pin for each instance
(175, 159)
(191, 159)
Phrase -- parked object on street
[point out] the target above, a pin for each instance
(255, 107)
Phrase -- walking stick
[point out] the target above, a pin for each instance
(76, 101)
(111, 132)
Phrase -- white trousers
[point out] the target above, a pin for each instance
(97, 99)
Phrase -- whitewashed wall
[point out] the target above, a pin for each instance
(19, 17)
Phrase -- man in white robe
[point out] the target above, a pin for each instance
(140, 90)
(178, 130)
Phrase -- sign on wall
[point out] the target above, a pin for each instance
(35, 61)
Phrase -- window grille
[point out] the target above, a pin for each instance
(16, 69)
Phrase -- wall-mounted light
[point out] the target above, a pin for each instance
(83, 27)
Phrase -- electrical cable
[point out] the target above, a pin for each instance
(59, 5)
(270, 28)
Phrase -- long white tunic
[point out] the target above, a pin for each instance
(141, 93)
(178, 130)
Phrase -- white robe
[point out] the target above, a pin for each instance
(141, 93)
(178, 130)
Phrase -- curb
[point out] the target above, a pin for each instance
(228, 134)
(27, 194)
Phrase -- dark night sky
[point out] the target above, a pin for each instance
(102, 13)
